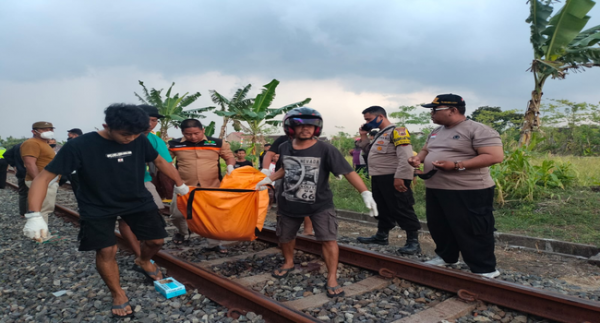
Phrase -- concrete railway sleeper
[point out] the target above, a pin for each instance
(240, 296)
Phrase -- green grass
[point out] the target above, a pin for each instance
(569, 215)
(587, 168)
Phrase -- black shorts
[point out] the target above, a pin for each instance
(95, 234)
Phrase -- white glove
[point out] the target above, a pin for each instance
(182, 190)
(265, 171)
(54, 180)
(35, 228)
(229, 169)
(370, 203)
(262, 185)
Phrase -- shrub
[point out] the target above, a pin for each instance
(517, 178)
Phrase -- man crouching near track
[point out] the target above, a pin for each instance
(110, 164)
(305, 170)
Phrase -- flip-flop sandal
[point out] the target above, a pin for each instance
(284, 272)
(139, 269)
(220, 249)
(333, 289)
(52, 239)
(149, 274)
(122, 306)
(178, 239)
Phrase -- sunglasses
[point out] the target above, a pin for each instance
(440, 109)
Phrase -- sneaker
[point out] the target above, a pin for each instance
(438, 261)
(493, 274)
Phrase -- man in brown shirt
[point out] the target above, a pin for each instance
(36, 154)
(197, 160)
(460, 196)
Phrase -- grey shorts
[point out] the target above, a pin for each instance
(324, 223)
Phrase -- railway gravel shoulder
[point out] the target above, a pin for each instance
(389, 304)
(30, 273)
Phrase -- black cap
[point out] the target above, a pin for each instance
(450, 100)
(76, 131)
(152, 111)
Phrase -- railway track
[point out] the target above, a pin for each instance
(239, 294)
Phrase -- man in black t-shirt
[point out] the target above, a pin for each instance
(305, 191)
(262, 156)
(240, 159)
(111, 165)
(274, 150)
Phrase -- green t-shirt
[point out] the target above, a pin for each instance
(160, 146)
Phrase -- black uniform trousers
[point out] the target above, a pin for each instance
(23, 192)
(394, 207)
(3, 170)
(462, 221)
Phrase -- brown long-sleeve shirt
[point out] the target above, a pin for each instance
(198, 163)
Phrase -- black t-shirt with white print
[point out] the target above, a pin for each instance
(305, 190)
(111, 175)
(239, 164)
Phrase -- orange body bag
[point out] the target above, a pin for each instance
(234, 211)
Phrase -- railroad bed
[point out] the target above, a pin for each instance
(370, 297)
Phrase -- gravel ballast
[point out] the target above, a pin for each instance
(30, 273)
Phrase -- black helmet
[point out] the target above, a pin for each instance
(300, 116)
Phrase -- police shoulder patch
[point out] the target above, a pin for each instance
(401, 136)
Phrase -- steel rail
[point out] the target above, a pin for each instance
(467, 286)
(238, 299)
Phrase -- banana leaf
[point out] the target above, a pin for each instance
(265, 98)
(565, 26)
(538, 19)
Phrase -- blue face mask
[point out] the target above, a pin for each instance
(372, 124)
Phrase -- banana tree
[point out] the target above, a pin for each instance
(171, 107)
(256, 118)
(559, 45)
(237, 102)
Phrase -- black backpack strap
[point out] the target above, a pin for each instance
(189, 204)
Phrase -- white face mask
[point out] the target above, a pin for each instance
(47, 135)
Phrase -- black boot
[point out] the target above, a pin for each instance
(412, 246)
(379, 238)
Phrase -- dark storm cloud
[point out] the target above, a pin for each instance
(396, 40)
(479, 48)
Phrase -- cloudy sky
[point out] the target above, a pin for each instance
(65, 61)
